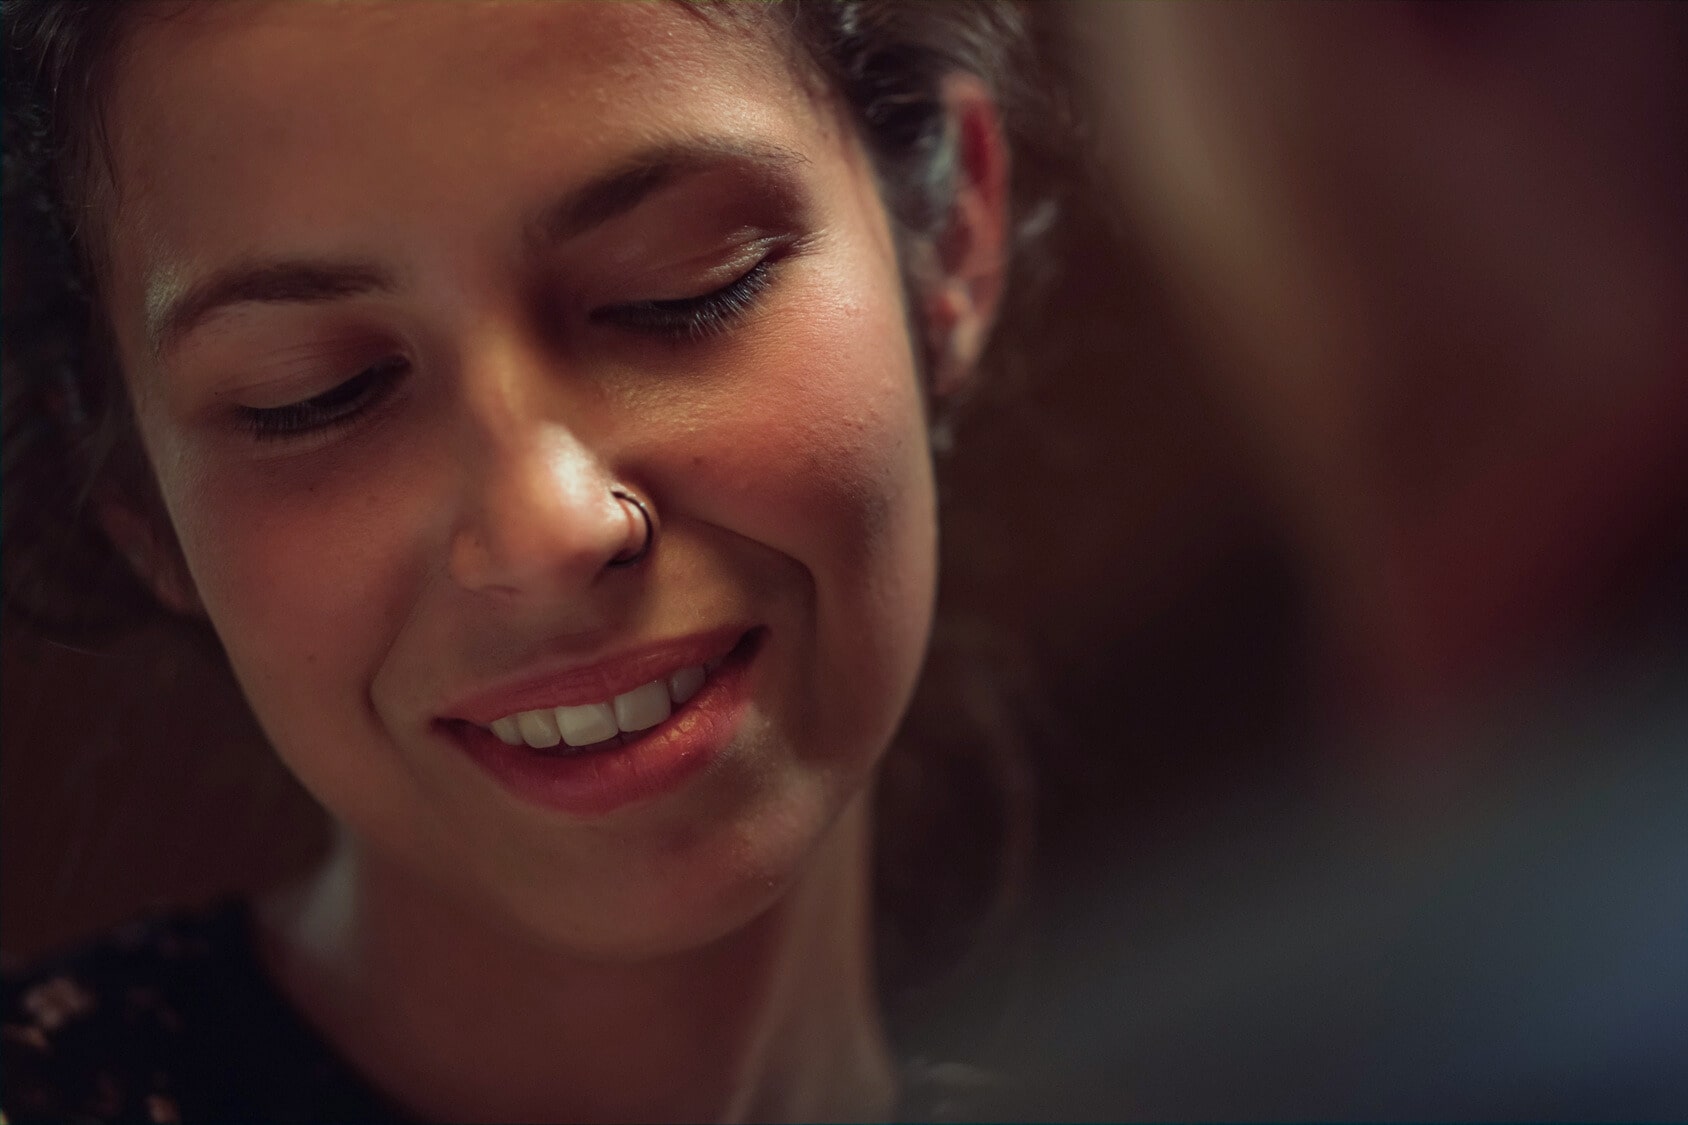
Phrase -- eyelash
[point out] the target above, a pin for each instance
(679, 320)
(693, 318)
(336, 407)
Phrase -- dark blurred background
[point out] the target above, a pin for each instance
(1338, 511)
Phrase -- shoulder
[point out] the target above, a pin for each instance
(166, 1019)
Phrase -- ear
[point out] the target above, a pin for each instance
(971, 255)
(153, 558)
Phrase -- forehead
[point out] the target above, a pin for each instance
(248, 127)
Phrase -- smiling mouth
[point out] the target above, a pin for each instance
(611, 723)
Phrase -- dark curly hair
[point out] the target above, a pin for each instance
(69, 436)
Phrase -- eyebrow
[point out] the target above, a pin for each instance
(604, 197)
(275, 281)
(634, 180)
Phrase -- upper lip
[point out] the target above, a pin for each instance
(572, 685)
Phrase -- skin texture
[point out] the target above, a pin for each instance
(699, 955)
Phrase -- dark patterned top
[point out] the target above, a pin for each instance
(169, 1019)
(173, 1019)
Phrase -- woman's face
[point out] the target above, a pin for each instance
(400, 293)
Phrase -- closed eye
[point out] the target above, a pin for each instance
(692, 318)
(340, 405)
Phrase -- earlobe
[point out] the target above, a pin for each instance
(954, 328)
(972, 252)
(157, 564)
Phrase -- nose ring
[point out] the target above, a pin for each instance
(628, 558)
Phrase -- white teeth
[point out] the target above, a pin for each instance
(582, 726)
(538, 729)
(640, 709)
(683, 684)
(644, 706)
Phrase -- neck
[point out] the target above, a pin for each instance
(458, 1019)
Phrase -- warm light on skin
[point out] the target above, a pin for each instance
(786, 457)
(456, 533)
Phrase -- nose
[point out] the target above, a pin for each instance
(538, 517)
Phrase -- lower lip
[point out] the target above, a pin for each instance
(647, 765)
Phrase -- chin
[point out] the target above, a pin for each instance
(698, 887)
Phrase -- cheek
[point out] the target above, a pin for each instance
(309, 585)
(305, 583)
(822, 456)
(285, 563)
